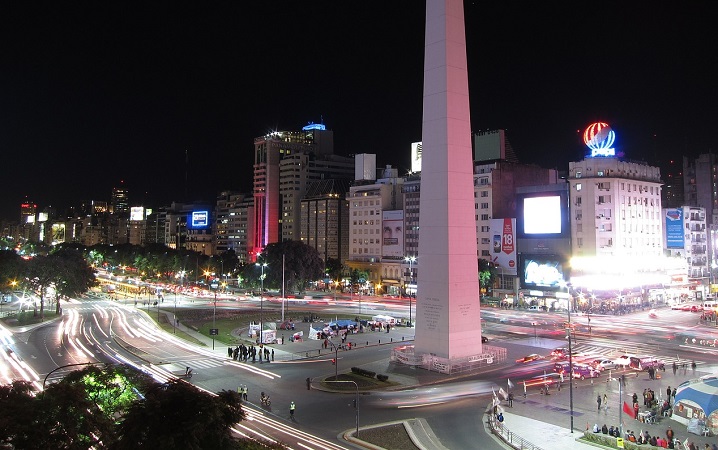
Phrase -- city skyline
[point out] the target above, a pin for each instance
(95, 96)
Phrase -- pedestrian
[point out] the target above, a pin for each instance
(668, 393)
(292, 407)
(635, 398)
(635, 411)
(675, 367)
(229, 352)
(309, 383)
(674, 394)
(693, 366)
(598, 400)
(245, 392)
(605, 402)
(645, 397)
(511, 399)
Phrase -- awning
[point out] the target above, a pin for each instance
(702, 392)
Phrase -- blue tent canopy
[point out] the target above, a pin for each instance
(703, 392)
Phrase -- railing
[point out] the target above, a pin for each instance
(506, 435)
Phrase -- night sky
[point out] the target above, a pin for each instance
(95, 93)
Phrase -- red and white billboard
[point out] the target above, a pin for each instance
(503, 244)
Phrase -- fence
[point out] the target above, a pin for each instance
(506, 435)
(490, 356)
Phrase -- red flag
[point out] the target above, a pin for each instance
(628, 410)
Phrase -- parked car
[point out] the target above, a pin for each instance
(584, 371)
(623, 360)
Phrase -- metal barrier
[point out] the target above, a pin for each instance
(506, 435)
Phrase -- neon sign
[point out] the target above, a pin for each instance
(599, 137)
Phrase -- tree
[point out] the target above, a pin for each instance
(11, 268)
(487, 274)
(178, 415)
(301, 264)
(40, 276)
(73, 275)
(334, 269)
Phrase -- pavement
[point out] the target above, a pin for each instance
(554, 428)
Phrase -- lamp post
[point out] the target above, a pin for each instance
(570, 352)
(261, 303)
(356, 401)
(411, 260)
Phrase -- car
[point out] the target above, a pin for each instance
(561, 352)
(623, 360)
(529, 358)
(603, 364)
(542, 380)
(584, 371)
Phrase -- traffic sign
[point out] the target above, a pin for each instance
(214, 331)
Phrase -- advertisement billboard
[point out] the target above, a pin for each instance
(58, 233)
(416, 148)
(674, 228)
(503, 244)
(393, 234)
(543, 215)
(198, 220)
(137, 213)
(541, 271)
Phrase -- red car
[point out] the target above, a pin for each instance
(529, 358)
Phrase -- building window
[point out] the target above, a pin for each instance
(484, 217)
(578, 186)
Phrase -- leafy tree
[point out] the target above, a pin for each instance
(39, 277)
(178, 415)
(357, 277)
(11, 268)
(334, 268)
(18, 416)
(73, 275)
(487, 274)
(301, 264)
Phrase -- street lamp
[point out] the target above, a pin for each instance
(261, 303)
(356, 401)
(411, 260)
(570, 352)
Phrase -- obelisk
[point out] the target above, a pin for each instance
(448, 323)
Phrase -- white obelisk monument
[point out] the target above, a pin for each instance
(448, 323)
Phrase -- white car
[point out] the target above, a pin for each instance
(623, 360)
(603, 364)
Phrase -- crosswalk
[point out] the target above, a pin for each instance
(612, 351)
(205, 363)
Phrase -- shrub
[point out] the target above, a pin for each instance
(363, 372)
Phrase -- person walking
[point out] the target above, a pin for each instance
(245, 392)
(668, 394)
(693, 366)
(598, 400)
(292, 407)
(511, 399)
(605, 402)
(673, 394)
(675, 367)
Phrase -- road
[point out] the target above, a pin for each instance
(92, 330)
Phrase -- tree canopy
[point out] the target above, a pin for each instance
(117, 407)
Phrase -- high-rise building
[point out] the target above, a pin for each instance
(375, 243)
(700, 184)
(120, 201)
(285, 162)
(615, 208)
(324, 222)
(233, 224)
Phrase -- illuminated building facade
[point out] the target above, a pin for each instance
(285, 162)
(233, 225)
(324, 218)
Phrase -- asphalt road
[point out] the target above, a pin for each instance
(84, 336)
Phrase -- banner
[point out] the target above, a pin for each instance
(503, 244)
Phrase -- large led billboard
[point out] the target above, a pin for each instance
(137, 213)
(543, 215)
(674, 228)
(542, 271)
(198, 220)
